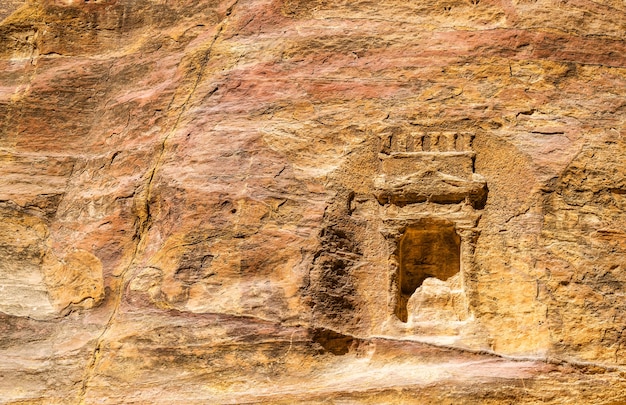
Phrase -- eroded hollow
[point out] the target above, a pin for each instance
(428, 249)
(333, 342)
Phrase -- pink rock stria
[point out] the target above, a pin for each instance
(288, 201)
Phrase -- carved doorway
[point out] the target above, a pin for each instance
(429, 249)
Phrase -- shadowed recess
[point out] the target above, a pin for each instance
(429, 249)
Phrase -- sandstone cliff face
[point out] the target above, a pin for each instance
(295, 201)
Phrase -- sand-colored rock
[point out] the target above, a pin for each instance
(287, 201)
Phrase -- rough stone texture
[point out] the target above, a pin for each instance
(253, 201)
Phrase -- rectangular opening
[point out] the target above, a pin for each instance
(431, 248)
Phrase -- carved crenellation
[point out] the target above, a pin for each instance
(428, 142)
(436, 167)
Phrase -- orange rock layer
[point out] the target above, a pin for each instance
(287, 201)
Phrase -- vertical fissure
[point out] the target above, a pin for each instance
(144, 217)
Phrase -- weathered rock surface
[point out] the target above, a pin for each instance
(292, 201)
